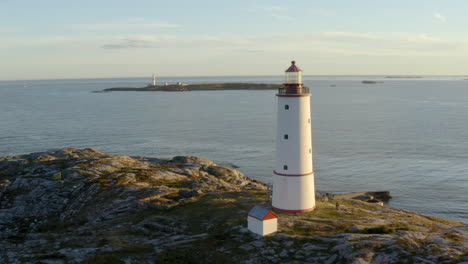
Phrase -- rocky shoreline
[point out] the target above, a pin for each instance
(198, 87)
(86, 206)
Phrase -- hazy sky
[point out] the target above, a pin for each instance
(125, 38)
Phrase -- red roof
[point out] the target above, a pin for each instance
(261, 213)
(270, 215)
(293, 67)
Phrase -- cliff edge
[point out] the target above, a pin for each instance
(86, 206)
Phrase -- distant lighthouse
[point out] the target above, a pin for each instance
(154, 80)
(293, 182)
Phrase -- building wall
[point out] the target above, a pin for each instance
(255, 225)
(262, 228)
(295, 122)
(293, 187)
(294, 193)
(270, 226)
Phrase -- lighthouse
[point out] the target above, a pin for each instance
(154, 80)
(293, 180)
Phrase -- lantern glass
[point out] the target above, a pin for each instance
(294, 77)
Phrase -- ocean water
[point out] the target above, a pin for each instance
(408, 136)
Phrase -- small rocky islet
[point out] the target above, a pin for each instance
(87, 206)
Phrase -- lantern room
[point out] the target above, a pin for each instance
(293, 74)
(293, 82)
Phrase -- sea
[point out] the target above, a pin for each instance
(406, 135)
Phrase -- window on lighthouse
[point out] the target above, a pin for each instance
(286, 107)
(286, 136)
(285, 167)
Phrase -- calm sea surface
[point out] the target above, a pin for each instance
(408, 136)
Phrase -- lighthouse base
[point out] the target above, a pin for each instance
(293, 211)
(293, 194)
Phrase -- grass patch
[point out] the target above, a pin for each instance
(104, 258)
(386, 229)
(329, 213)
(134, 249)
(173, 196)
(172, 184)
(323, 210)
(51, 256)
(453, 237)
(199, 254)
(58, 163)
(144, 175)
(9, 172)
(441, 220)
(306, 229)
(383, 229)
(228, 208)
(125, 248)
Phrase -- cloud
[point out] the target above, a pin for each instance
(131, 24)
(331, 44)
(7, 28)
(137, 42)
(331, 52)
(439, 16)
(326, 12)
(424, 38)
(128, 44)
(266, 8)
(282, 17)
(276, 8)
(274, 11)
(349, 36)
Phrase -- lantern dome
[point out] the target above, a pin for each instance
(293, 74)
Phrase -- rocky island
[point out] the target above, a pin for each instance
(404, 77)
(199, 87)
(86, 206)
(371, 82)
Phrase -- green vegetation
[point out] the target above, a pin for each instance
(327, 211)
(104, 258)
(147, 224)
(58, 163)
(51, 256)
(173, 196)
(386, 229)
(57, 176)
(229, 208)
(198, 254)
(172, 184)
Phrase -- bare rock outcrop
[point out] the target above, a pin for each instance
(86, 206)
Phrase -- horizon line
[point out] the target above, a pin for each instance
(205, 76)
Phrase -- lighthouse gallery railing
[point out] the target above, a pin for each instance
(302, 90)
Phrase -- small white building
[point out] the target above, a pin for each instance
(262, 221)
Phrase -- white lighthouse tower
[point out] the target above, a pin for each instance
(293, 183)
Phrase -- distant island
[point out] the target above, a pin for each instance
(404, 77)
(198, 87)
(371, 82)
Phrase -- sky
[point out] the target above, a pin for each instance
(60, 39)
